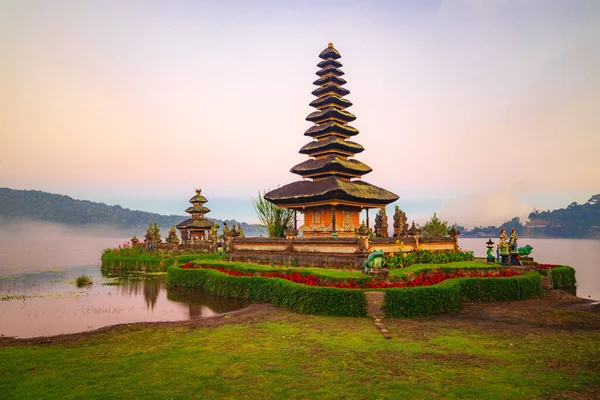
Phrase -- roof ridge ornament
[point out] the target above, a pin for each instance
(330, 45)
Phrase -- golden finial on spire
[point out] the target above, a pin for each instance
(198, 191)
(330, 45)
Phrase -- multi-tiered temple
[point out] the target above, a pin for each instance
(196, 228)
(331, 194)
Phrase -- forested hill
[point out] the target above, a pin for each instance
(577, 220)
(37, 205)
(574, 221)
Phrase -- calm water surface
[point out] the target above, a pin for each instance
(41, 298)
(581, 254)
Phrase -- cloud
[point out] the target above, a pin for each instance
(490, 208)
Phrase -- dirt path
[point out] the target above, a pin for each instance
(375, 304)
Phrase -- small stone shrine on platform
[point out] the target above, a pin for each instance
(196, 230)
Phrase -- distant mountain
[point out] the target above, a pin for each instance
(38, 205)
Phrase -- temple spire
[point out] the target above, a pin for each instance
(331, 194)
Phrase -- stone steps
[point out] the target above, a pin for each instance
(375, 310)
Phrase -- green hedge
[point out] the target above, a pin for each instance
(279, 292)
(562, 276)
(424, 300)
(151, 262)
(449, 295)
(418, 269)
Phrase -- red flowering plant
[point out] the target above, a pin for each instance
(542, 266)
(547, 266)
(425, 279)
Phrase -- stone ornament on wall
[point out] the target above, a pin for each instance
(347, 225)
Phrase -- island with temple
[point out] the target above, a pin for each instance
(359, 268)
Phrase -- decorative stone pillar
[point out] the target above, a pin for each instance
(455, 233)
(363, 238)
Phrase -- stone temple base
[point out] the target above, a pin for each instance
(345, 252)
(514, 259)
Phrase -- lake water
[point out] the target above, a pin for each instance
(37, 275)
(581, 254)
(37, 284)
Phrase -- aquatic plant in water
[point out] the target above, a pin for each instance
(83, 281)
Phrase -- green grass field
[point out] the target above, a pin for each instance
(525, 349)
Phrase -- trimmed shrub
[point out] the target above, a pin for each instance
(150, 261)
(513, 288)
(449, 295)
(279, 292)
(424, 300)
(403, 260)
(562, 276)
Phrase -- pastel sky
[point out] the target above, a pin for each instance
(477, 110)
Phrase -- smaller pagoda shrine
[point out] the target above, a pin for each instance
(196, 229)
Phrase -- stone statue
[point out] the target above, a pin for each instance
(454, 232)
(513, 241)
(213, 238)
(240, 231)
(225, 230)
(375, 260)
(490, 247)
(381, 224)
(362, 229)
(400, 223)
(525, 251)
(503, 245)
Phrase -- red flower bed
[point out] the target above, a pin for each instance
(312, 280)
(547, 266)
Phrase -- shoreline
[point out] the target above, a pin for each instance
(257, 312)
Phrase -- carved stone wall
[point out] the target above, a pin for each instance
(347, 252)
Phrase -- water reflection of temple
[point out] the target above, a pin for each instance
(150, 288)
(204, 305)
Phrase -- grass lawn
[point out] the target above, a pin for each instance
(540, 348)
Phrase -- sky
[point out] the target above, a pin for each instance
(477, 110)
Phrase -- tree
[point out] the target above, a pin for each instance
(276, 220)
(435, 228)
(595, 199)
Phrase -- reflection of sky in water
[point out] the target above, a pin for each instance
(581, 254)
(53, 304)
